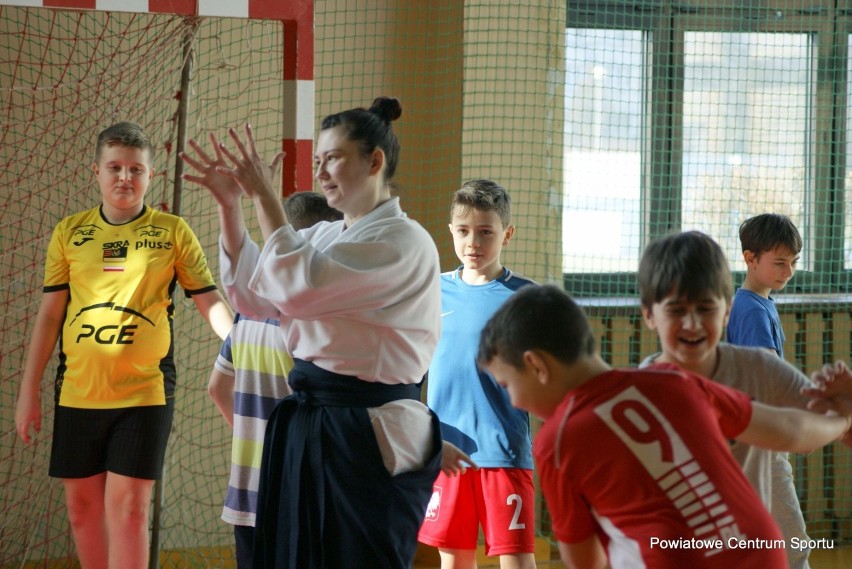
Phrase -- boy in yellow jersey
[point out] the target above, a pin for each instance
(109, 275)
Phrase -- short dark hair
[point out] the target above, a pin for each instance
(371, 129)
(537, 317)
(484, 195)
(304, 209)
(767, 231)
(688, 264)
(124, 134)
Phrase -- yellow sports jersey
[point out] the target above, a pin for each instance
(116, 343)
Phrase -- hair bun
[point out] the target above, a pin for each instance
(387, 108)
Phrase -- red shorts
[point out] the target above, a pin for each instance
(501, 499)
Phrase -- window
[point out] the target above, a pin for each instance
(698, 115)
(847, 235)
(747, 99)
(603, 142)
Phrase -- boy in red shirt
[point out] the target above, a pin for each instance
(634, 464)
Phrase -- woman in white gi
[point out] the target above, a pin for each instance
(349, 459)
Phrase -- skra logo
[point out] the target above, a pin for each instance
(83, 233)
(109, 334)
(116, 250)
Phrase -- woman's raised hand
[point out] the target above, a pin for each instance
(249, 170)
(225, 189)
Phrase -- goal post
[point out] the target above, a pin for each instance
(297, 19)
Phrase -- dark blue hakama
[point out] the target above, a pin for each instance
(326, 499)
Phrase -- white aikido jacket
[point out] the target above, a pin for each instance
(362, 301)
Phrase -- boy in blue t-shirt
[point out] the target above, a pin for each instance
(771, 246)
(476, 414)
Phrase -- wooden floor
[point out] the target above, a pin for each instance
(838, 558)
(427, 558)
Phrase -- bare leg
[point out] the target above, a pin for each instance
(518, 561)
(84, 498)
(127, 501)
(457, 558)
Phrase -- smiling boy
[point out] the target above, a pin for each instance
(629, 459)
(685, 292)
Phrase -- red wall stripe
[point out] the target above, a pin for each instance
(297, 167)
(81, 4)
(185, 7)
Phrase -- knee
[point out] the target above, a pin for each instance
(83, 510)
(130, 509)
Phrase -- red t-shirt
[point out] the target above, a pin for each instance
(641, 458)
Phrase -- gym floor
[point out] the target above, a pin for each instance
(837, 558)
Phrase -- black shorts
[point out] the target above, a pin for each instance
(130, 441)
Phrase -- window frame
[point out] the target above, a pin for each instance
(664, 24)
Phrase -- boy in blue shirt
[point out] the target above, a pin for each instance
(771, 245)
(476, 415)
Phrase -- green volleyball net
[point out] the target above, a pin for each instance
(610, 123)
